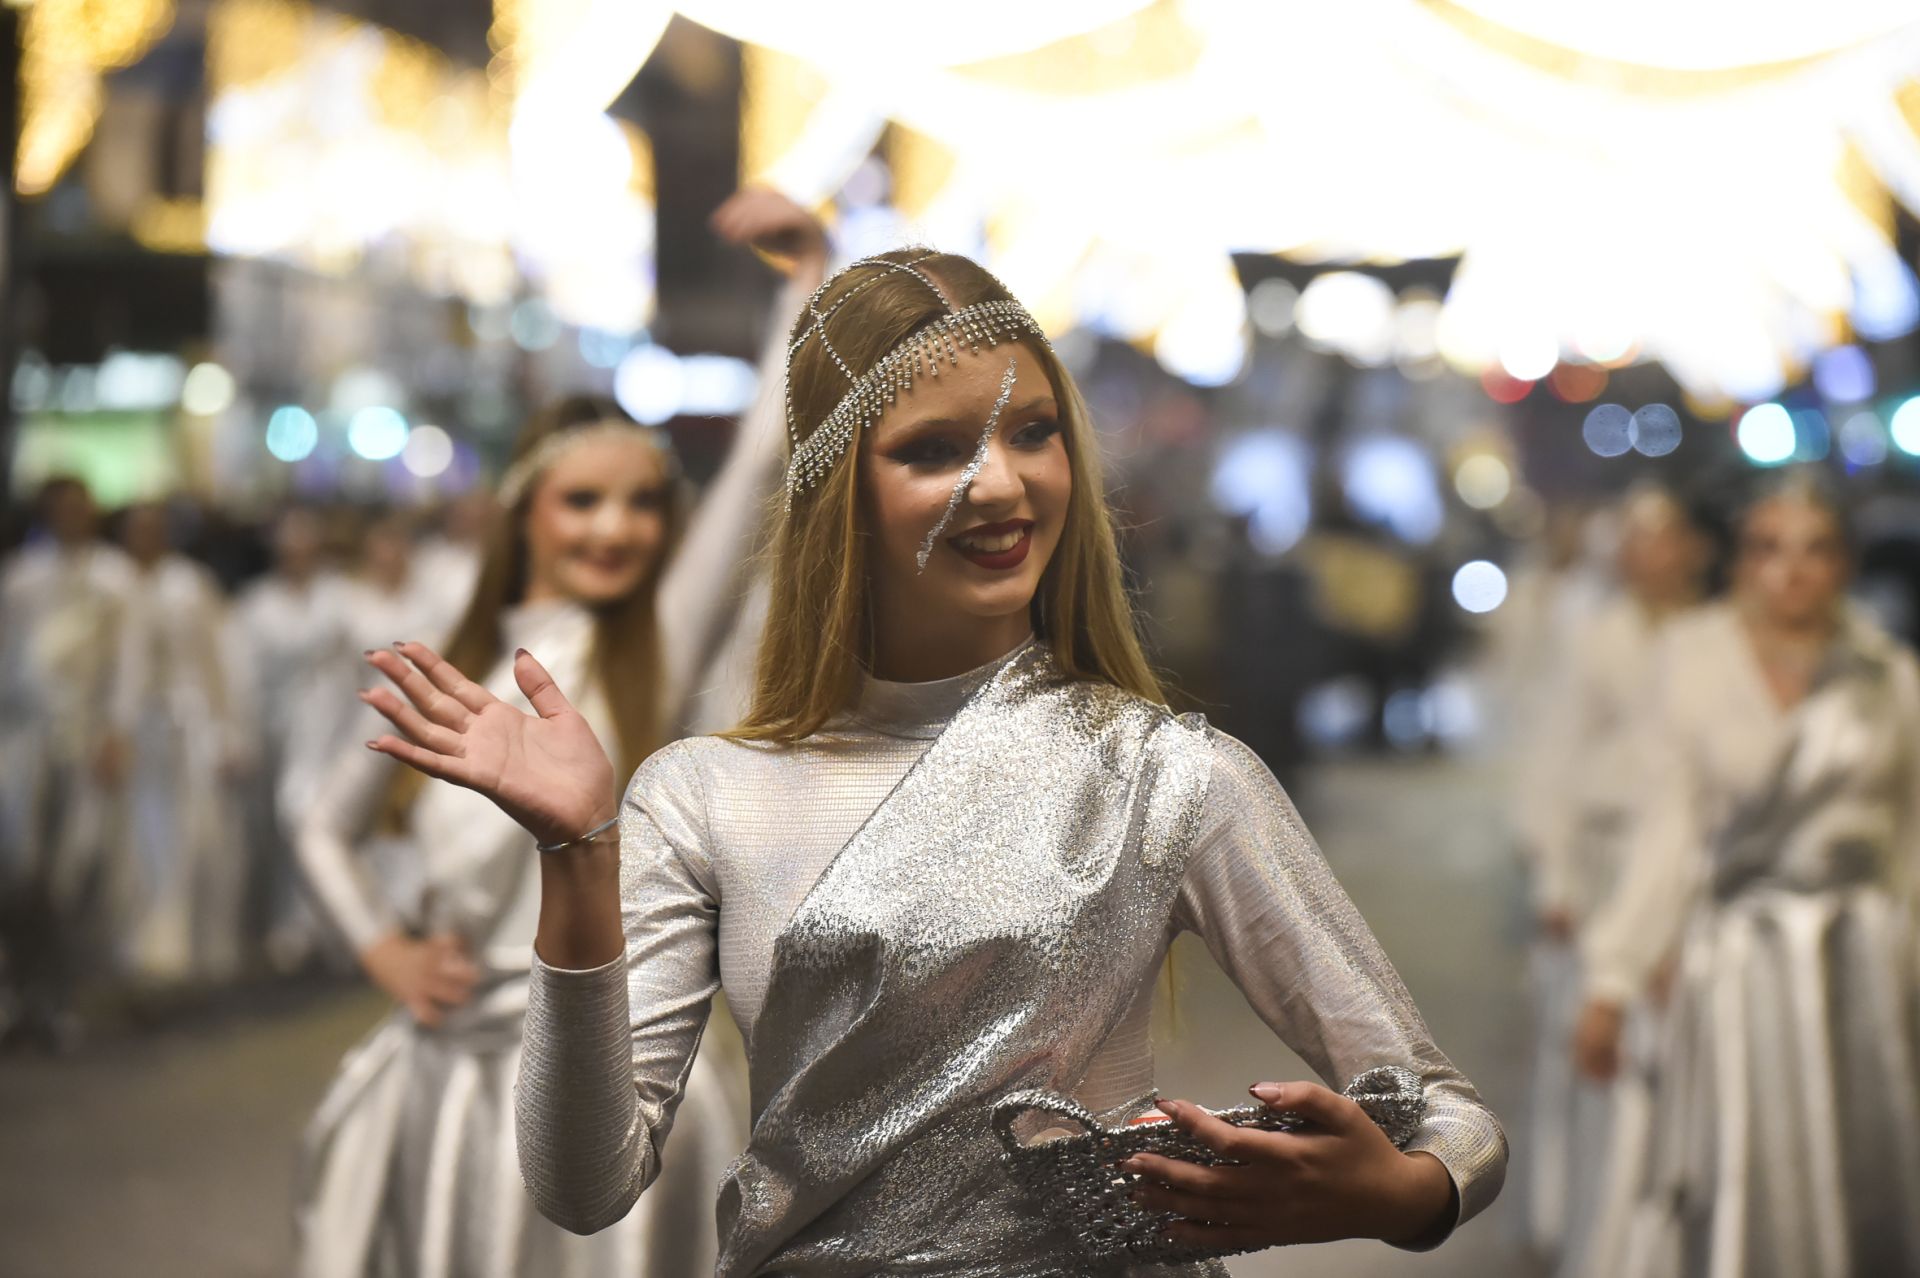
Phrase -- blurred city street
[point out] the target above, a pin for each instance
(186, 1136)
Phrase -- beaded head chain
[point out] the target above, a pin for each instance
(983, 324)
(520, 476)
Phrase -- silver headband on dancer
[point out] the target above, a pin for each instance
(983, 324)
(520, 476)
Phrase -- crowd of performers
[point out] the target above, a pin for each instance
(1720, 796)
(939, 852)
(159, 737)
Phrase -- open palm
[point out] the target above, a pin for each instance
(546, 770)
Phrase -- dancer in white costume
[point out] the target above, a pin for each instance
(1588, 756)
(287, 642)
(410, 1165)
(183, 829)
(1781, 840)
(63, 755)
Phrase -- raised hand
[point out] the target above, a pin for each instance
(771, 223)
(1338, 1178)
(429, 977)
(546, 770)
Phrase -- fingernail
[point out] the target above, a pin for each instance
(366, 652)
(1166, 1107)
(1268, 1092)
(399, 643)
(521, 652)
(373, 745)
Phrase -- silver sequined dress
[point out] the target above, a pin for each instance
(727, 851)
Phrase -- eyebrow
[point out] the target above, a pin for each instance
(1043, 401)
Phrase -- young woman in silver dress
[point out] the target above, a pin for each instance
(940, 861)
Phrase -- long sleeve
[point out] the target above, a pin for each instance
(1641, 920)
(324, 842)
(608, 1049)
(1261, 895)
(1570, 721)
(703, 587)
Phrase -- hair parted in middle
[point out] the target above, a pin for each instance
(818, 634)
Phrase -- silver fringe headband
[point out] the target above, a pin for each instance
(520, 476)
(983, 324)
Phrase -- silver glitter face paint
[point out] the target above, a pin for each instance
(972, 471)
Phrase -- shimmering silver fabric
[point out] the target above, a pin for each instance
(972, 469)
(764, 868)
(1069, 1167)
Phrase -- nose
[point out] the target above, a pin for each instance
(612, 521)
(997, 482)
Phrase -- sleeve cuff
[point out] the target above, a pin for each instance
(1470, 1145)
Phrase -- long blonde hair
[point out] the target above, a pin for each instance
(818, 634)
(625, 658)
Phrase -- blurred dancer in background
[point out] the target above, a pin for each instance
(63, 756)
(1588, 755)
(183, 831)
(410, 1166)
(288, 644)
(1776, 853)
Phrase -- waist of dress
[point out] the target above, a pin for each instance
(1836, 865)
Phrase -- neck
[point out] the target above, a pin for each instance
(540, 590)
(917, 650)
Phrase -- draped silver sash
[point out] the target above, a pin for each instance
(983, 932)
(1784, 834)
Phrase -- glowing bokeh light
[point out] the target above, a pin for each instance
(1863, 440)
(1390, 480)
(292, 433)
(377, 432)
(1264, 475)
(1350, 313)
(1608, 430)
(1270, 306)
(1844, 375)
(1766, 434)
(650, 384)
(428, 453)
(1655, 430)
(1479, 586)
(1483, 481)
(1502, 389)
(1904, 427)
(1577, 383)
(1528, 357)
(207, 390)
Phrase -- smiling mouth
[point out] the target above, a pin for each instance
(995, 546)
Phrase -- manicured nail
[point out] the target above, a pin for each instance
(1267, 1092)
(366, 652)
(399, 643)
(521, 652)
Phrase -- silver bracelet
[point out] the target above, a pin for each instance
(584, 839)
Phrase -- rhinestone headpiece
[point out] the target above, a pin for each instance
(983, 324)
(520, 476)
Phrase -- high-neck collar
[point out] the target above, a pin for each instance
(922, 709)
(524, 624)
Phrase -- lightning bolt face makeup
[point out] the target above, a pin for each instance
(972, 471)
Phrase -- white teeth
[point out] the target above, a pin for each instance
(995, 544)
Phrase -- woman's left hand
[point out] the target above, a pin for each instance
(1340, 1177)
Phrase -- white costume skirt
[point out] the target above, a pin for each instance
(1786, 1115)
(409, 1168)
